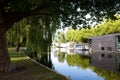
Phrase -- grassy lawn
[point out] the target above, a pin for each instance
(27, 70)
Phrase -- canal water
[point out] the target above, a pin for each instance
(80, 65)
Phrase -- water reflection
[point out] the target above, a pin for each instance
(106, 65)
(73, 65)
(108, 61)
(42, 58)
(80, 66)
(77, 60)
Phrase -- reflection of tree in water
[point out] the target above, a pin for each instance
(61, 56)
(106, 65)
(42, 58)
(108, 75)
(45, 60)
(78, 60)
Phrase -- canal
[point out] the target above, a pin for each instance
(78, 65)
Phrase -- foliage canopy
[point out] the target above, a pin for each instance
(70, 12)
(82, 35)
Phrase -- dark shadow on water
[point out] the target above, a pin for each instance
(45, 59)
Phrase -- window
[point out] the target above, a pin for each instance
(118, 43)
(102, 55)
(109, 56)
(118, 63)
(102, 48)
(90, 41)
(118, 39)
(109, 48)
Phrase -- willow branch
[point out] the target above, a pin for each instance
(19, 15)
(12, 17)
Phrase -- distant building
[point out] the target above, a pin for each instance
(106, 43)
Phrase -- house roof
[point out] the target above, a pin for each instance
(115, 34)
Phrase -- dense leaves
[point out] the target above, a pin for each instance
(59, 37)
(36, 33)
(17, 34)
(82, 35)
(70, 12)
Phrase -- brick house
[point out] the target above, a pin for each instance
(106, 43)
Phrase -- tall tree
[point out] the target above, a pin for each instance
(70, 12)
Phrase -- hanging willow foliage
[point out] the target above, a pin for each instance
(39, 36)
(37, 31)
(16, 33)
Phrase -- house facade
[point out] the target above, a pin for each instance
(105, 43)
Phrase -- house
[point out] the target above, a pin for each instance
(106, 43)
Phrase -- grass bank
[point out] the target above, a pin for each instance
(27, 70)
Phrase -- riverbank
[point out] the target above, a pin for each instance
(27, 70)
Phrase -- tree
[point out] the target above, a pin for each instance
(107, 27)
(12, 11)
(60, 37)
(82, 35)
(70, 35)
(19, 30)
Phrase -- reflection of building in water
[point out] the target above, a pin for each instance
(105, 43)
(70, 51)
(82, 52)
(106, 60)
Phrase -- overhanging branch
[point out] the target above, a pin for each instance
(38, 11)
(43, 9)
(12, 17)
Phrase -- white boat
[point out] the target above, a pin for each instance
(78, 46)
(81, 47)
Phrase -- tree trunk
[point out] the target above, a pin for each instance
(5, 62)
(18, 46)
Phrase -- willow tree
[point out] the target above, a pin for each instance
(70, 12)
(16, 35)
(39, 37)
